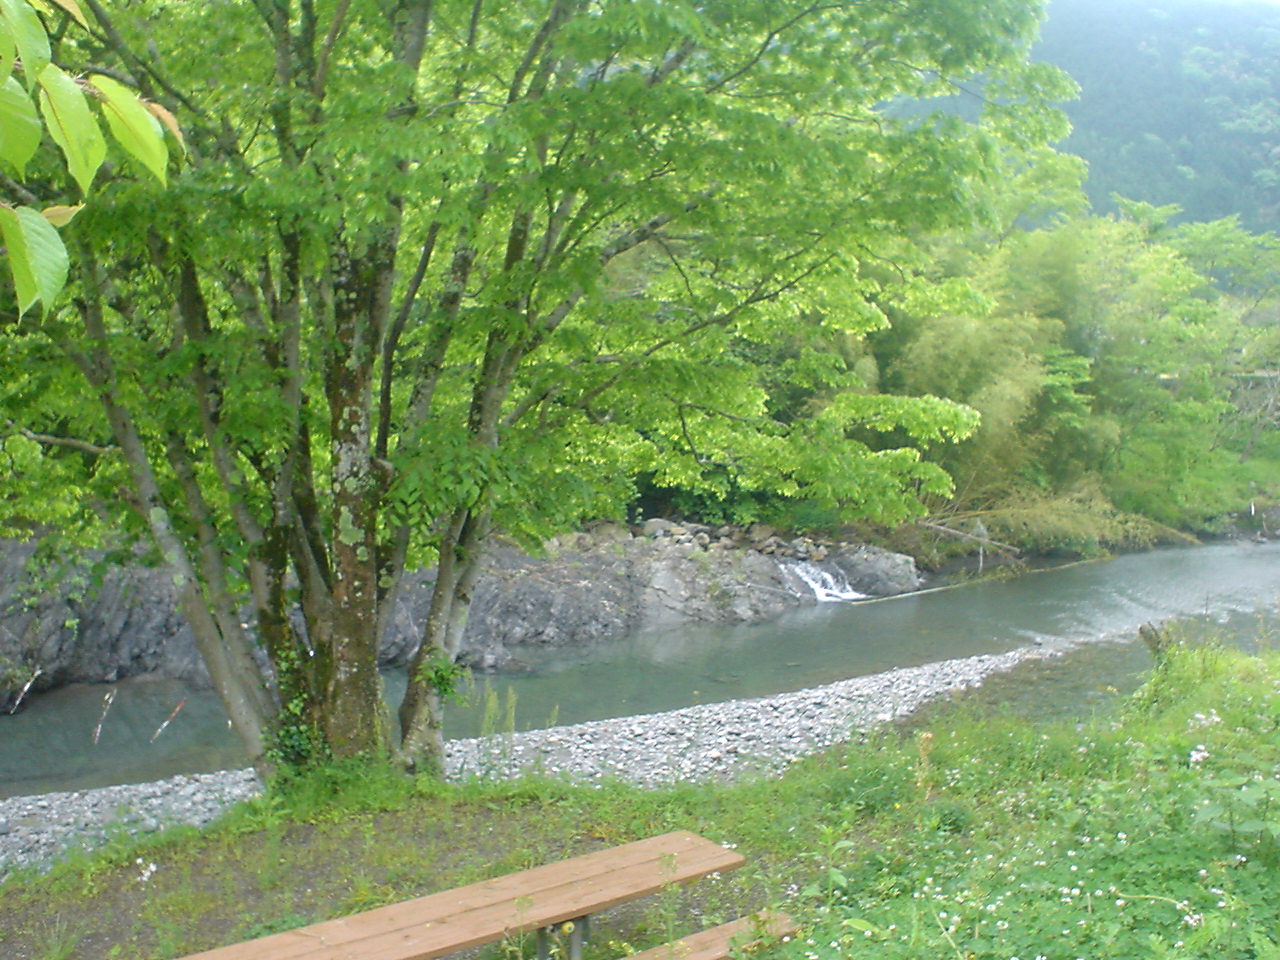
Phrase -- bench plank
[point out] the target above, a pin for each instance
(442, 923)
(718, 943)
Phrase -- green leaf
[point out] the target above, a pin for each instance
(133, 126)
(73, 8)
(71, 125)
(8, 53)
(20, 129)
(23, 24)
(37, 258)
(48, 256)
(24, 278)
(1209, 811)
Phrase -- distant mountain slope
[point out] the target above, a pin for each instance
(1180, 102)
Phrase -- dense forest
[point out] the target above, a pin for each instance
(358, 287)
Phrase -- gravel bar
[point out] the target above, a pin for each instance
(718, 741)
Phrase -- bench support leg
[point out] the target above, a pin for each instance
(578, 936)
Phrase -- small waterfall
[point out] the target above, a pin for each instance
(827, 587)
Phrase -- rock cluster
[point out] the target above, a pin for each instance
(711, 742)
(35, 831)
(127, 625)
(724, 741)
(757, 536)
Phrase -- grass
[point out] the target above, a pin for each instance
(1150, 834)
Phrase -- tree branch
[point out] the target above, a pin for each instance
(73, 443)
(326, 48)
(391, 340)
(621, 244)
(19, 191)
(672, 63)
(559, 13)
(766, 43)
(144, 68)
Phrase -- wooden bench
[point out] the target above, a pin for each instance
(562, 894)
(719, 942)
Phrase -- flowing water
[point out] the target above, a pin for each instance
(1092, 610)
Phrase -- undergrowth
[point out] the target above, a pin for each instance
(1153, 833)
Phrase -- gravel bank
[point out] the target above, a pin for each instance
(713, 741)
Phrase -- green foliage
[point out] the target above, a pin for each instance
(447, 677)
(1079, 520)
(71, 125)
(22, 126)
(37, 258)
(1244, 805)
(134, 126)
(328, 791)
(296, 742)
(58, 941)
(1112, 362)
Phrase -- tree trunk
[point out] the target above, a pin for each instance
(421, 712)
(226, 652)
(354, 711)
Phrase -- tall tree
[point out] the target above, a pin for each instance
(439, 269)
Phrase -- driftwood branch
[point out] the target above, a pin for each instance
(985, 541)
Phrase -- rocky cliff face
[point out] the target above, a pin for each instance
(128, 626)
(588, 587)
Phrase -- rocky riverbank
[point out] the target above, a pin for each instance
(739, 738)
(583, 588)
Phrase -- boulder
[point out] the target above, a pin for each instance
(656, 527)
(610, 533)
(875, 571)
(684, 583)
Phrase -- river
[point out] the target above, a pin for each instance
(1092, 611)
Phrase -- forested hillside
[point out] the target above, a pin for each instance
(1178, 102)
